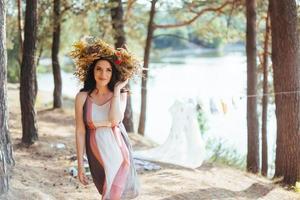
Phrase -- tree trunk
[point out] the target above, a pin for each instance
(128, 116)
(252, 118)
(120, 39)
(57, 93)
(285, 58)
(27, 100)
(117, 23)
(141, 128)
(264, 167)
(6, 157)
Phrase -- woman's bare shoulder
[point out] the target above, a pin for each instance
(81, 97)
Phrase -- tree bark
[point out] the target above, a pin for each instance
(286, 69)
(264, 167)
(120, 40)
(142, 120)
(57, 93)
(252, 118)
(117, 14)
(27, 99)
(6, 156)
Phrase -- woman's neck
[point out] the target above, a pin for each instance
(102, 90)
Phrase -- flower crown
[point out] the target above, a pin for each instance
(89, 49)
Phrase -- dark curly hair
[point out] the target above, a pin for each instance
(90, 83)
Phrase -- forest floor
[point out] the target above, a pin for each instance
(41, 171)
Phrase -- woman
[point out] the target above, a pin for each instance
(99, 110)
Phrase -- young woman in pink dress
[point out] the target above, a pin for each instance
(99, 110)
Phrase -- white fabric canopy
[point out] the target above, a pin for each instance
(184, 145)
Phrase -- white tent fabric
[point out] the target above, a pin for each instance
(184, 145)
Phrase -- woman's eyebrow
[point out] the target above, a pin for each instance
(109, 67)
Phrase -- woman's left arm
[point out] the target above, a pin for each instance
(118, 104)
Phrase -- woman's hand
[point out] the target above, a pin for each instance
(81, 176)
(119, 85)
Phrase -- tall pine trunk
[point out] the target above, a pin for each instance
(252, 118)
(6, 157)
(117, 23)
(142, 120)
(20, 33)
(265, 64)
(117, 15)
(57, 93)
(286, 69)
(27, 99)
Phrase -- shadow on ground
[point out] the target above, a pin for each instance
(255, 191)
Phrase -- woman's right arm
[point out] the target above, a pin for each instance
(80, 135)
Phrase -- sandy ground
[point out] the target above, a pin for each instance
(41, 170)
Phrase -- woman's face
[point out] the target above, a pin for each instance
(102, 72)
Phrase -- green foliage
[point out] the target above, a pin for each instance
(68, 68)
(225, 154)
(44, 69)
(13, 64)
(93, 18)
(90, 17)
(136, 27)
(44, 32)
(173, 41)
(211, 30)
(202, 120)
(219, 151)
(13, 72)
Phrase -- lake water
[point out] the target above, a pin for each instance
(218, 82)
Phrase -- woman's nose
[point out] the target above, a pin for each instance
(102, 73)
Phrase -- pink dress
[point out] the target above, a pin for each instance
(109, 154)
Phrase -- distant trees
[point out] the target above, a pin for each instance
(57, 93)
(27, 90)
